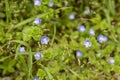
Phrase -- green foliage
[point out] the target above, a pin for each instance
(41, 73)
(8, 66)
(32, 32)
(59, 61)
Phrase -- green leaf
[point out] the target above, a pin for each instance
(104, 25)
(27, 34)
(95, 44)
(36, 33)
(74, 35)
(96, 19)
(32, 32)
(41, 73)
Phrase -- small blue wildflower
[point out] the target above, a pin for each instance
(111, 60)
(78, 53)
(38, 56)
(86, 11)
(37, 2)
(37, 21)
(51, 3)
(81, 28)
(87, 43)
(45, 40)
(71, 16)
(36, 79)
(22, 49)
(102, 38)
(91, 32)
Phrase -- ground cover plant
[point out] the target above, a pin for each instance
(59, 40)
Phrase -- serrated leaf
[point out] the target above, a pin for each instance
(41, 73)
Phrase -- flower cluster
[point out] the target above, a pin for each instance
(82, 28)
(100, 38)
(44, 39)
(88, 43)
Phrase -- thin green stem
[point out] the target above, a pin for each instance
(7, 10)
(30, 65)
(54, 33)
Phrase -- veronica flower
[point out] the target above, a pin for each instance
(45, 40)
(22, 49)
(91, 32)
(111, 60)
(81, 28)
(87, 43)
(37, 21)
(37, 2)
(36, 79)
(86, 11)
(78, 53)
(102, 38)
(38, 56)
(51, 3)
(71, 16)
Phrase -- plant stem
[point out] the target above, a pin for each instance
(7, 10)
(54, 33)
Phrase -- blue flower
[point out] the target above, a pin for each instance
(22, 49)
(37, 21)
(87, 43)
(38, 56)
(78, 53)
(71, 16)
(37, 2)
(86, 11)
(111, 60)
(51, 3)
(91, 32)
(45, 40)
(102, 38)
(81, 28)
(36, 79)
